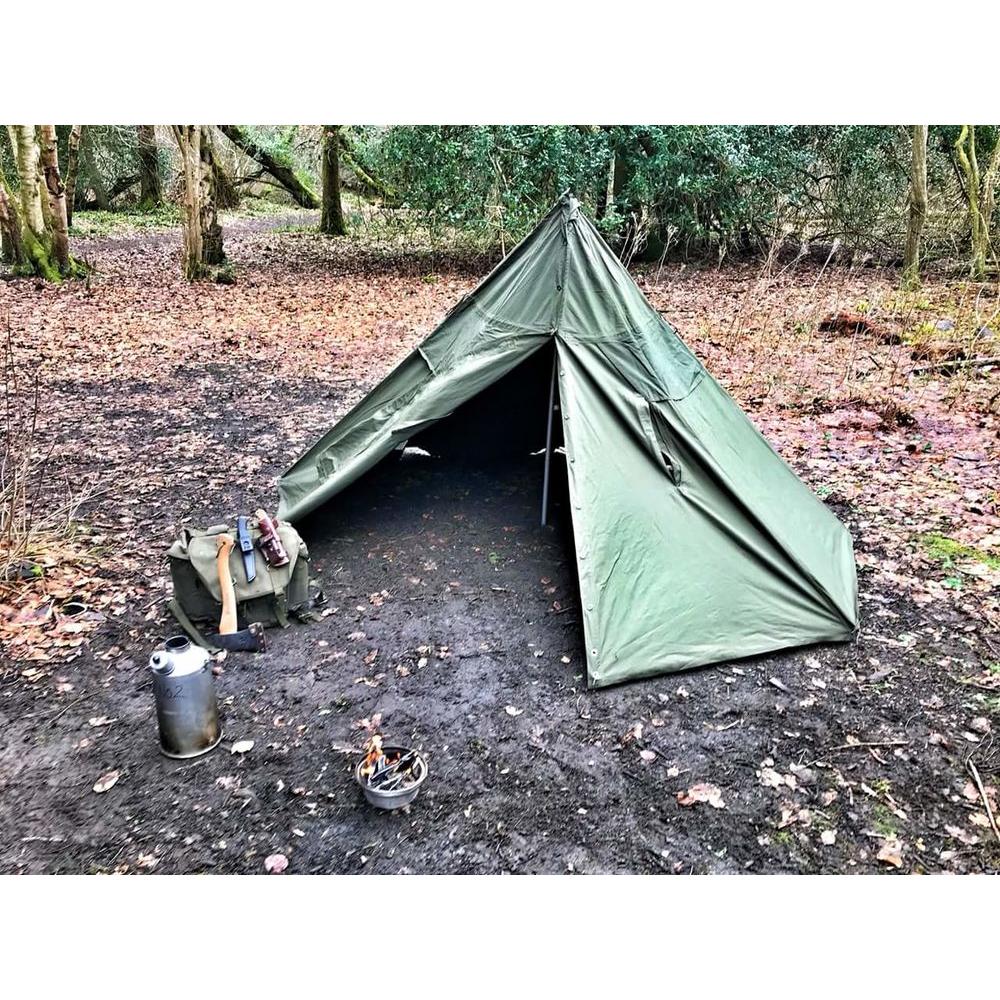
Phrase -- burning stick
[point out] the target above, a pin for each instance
(388, 772)
(399, 769)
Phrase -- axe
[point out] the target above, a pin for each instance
(252, 637)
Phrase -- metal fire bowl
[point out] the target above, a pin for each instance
(395, 799)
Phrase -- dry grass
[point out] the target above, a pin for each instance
(36, 516)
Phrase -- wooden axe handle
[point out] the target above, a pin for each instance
(224, 545)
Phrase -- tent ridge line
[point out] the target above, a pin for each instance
(567, 200)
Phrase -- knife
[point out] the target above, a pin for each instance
(246, 547)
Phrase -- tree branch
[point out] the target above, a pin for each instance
(283, 173)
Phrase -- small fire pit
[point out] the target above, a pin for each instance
(390, 776)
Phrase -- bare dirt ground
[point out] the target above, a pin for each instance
(452, 612)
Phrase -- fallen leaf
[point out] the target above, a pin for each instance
(275, 864)
(891, 853)
(634, 732)
(106, 781)
(770, 778)
(962, 835)
(702, 792)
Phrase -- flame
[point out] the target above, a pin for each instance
(374, 752)
(375, 760)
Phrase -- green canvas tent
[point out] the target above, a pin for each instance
(695, 542)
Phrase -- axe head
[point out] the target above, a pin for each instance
(251, 639)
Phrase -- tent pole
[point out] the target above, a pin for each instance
(548, 437)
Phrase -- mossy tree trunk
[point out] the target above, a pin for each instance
(283, 172)
(918, 207)
(150, 189)
(980, 194)
(203, 252)
(72, 170)
(367, 182)
(42, 247)
(11, 244)
(331, 218)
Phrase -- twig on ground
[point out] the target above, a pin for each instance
(187, 767)
(865, 746)
(982, 794)
(968, 682)
(62, 711)
(946, 365)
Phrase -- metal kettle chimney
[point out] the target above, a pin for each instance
(187, 711)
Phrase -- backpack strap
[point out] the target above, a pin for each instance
(189, 626)
(281, 606)
(279, 598)
(307, 612)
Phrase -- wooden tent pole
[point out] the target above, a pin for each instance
(548, 437)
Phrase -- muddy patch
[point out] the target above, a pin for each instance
(452, 613)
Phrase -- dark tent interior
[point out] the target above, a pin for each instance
(499, 436)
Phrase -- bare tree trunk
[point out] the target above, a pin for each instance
(283, 173)
(26, 155)
(150, 190)
(56, 191)
(988, 200)
(96, 181)
(203, 253)
(332, 216)
(226, 195)
(121, 185)
(72, 170)
(918, 207)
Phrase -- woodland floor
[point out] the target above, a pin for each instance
(452, 613)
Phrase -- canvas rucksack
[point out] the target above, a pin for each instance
(277, 593)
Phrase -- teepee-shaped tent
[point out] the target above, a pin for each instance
(695, 542)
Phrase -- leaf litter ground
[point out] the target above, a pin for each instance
(452, 614)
